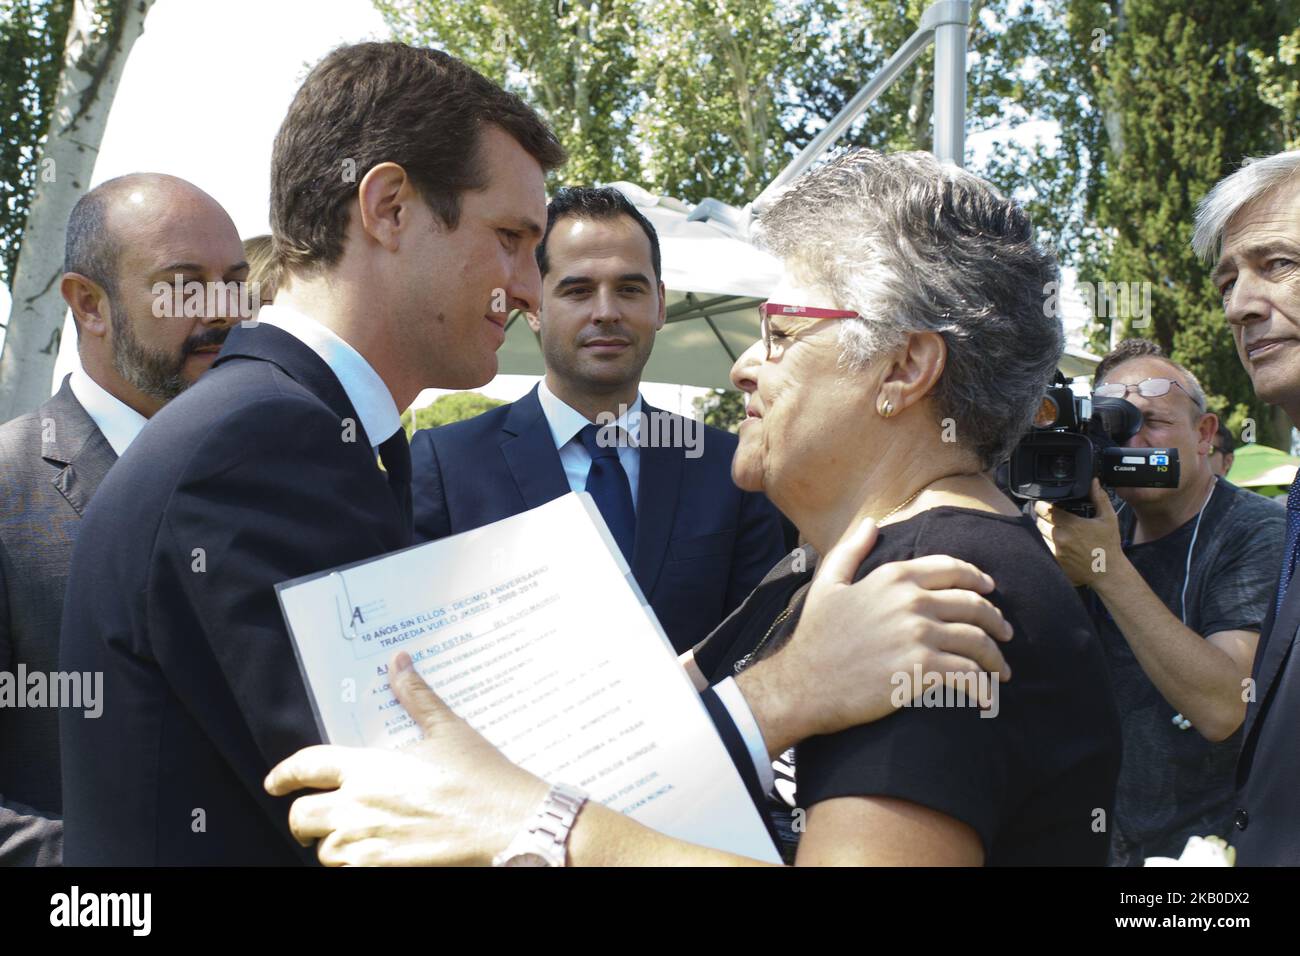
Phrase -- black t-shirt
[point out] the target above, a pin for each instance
(1174, 783)
(1037, 781)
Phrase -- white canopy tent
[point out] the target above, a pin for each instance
(714, 275)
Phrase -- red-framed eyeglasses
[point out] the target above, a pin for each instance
(803, 316)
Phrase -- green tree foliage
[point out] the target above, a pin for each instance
(32, 37)
(679, 95)
(1026, 64)
(572, 59)
(697, 98)
(1278, 70)
(446, 409)
(1143, 105)
(720, 81)
(1185, 109)
(721, 408)
(1040, 65)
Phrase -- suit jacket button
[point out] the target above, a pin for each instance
(1241, 819)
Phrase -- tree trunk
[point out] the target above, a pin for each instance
(92, 67)
(920, 111)
(752, 97)
(1112, 113)
(581, 82)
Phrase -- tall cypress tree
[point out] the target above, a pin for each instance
(1178, 87)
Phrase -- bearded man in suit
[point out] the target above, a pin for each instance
(123, 237)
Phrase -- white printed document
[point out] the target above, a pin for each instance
(533, 630)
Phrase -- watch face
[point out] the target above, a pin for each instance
(527, 859)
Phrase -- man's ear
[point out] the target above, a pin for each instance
(534, 321)
(663, 308)
(1206, 430)
(88, 302)
(386, 197)
(915, 370)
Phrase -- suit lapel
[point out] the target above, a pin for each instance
(75, 442)
(530, 453)
(658, 489)
(1275, 641)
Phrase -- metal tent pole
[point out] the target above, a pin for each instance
(946, 24)
(950, 34)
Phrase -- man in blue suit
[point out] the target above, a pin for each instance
(696, 544)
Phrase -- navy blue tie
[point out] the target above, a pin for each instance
(1292, 541)
(395, 453)
(607, 483)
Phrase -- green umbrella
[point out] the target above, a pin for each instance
(1261, 468)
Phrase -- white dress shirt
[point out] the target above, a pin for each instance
(118, 422)
(733, 700)
(566, 422)
(366, 391)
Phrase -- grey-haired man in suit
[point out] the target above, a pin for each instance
(1248, 225)
(126, 239)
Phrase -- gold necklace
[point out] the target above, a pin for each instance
(916, 494)
(749, 658)
(912, 498)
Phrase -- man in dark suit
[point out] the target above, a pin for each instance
(696, 544)
(267, 468)
(1251, 222)
(52, 460)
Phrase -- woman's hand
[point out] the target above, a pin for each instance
(453, 799)
(837, 670)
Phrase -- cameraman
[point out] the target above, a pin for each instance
(1180, 581)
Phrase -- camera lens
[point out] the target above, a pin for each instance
(1055, 466)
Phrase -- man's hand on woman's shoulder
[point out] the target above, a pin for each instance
(835, 672)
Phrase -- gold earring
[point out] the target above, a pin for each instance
(886, 408)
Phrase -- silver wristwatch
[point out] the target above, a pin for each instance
(545, 840)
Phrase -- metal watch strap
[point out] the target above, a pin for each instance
(547, 833)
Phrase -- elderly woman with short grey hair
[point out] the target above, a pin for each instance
(901, 358)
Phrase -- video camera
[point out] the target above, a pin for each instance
(1077, 438)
